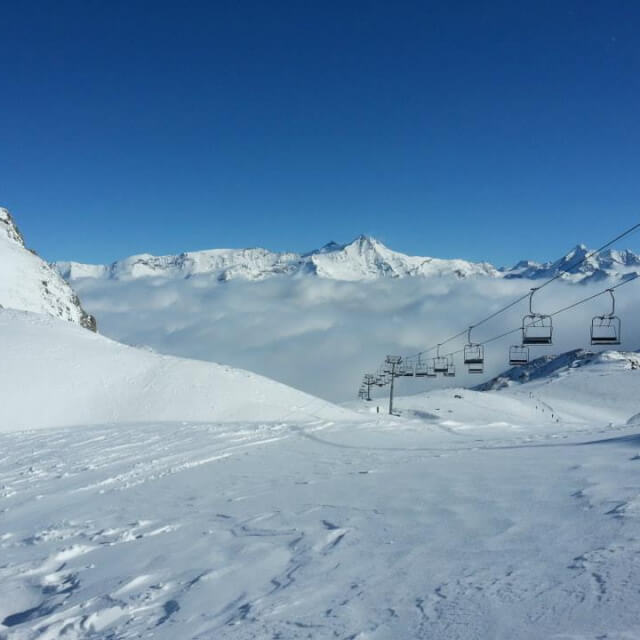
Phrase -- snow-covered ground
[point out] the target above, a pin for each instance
(502, 515)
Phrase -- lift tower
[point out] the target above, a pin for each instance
(368, 381)
(392, 362)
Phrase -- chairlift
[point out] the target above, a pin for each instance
(518, 355)
(406, 370)
(473, 355)
(451, 369)
(421, 370)
(605, 329)
(537, 328)
(440, 363)
(431, 372)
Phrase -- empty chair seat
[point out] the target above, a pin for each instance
(606, 329)
(537, 329)
(421, 370)
(473, 355)
(440, 364)
(518, 355)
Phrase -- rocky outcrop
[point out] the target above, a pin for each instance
(28, 283)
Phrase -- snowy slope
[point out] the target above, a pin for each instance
(54, 373)
(596, 387)
(27, 282)
(576, 388)
(363, 259)
(387, 529)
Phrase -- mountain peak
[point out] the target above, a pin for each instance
(578, 252)
(9, 227)
(28, 283)
(364, 242)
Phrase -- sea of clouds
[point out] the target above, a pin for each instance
(321, 335)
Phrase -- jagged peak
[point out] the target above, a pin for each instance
(9, 227)
(579, 252)
(365, 242)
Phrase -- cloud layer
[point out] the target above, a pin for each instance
(323, 335)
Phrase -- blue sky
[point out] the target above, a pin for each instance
(479, 130)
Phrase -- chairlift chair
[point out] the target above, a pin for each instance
(473, 355)
(537, 328)
(518, 355)
(431, 372)
(605, 329)
(451, 367)
(421, 370)
(440, 363)
(406, 370)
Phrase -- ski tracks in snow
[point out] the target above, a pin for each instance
(350, 531)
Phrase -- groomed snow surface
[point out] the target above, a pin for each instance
(500, 515)
(56, 374)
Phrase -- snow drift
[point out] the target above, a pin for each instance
(56, 374)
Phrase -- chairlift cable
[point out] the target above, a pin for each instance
(525, 296)
(555, 313)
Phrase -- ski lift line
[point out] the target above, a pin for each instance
(630, 230)
(555, 313)
(595, 295)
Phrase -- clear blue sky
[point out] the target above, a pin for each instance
(484, 130)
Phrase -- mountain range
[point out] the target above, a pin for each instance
(365, 258)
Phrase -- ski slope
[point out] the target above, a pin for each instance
(469, 517)
(55, 373)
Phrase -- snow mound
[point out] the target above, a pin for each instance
(56, 374)
(27, 282)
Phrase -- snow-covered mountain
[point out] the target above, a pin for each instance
(27, 282)
(363, 259)
(608, 263)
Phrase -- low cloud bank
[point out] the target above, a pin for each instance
(322, 335)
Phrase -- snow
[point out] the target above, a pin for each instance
(145, 495)
(29, 283)
(74, 376)
(502, 514)
(363, 259)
